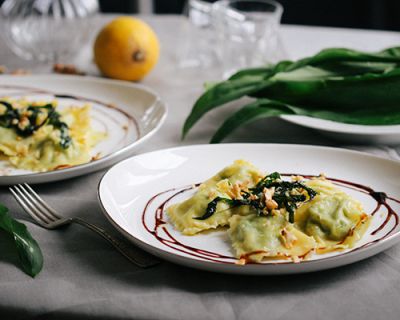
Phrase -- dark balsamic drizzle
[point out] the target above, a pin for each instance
(171, 242)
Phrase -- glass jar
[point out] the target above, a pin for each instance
(47, 30)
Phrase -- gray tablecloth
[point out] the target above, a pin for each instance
(83, 277)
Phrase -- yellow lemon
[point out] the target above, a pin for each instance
(126, 49)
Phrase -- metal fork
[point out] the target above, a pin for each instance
(49, 218)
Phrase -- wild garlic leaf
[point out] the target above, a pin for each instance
(337, 84)
(264, 108)
(27, 248)
(220, 94)
(348, 93)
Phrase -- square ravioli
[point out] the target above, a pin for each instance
(223, 184)
(255, 238)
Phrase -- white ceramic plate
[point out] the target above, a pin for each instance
(349, 132)
(129, 113)
(132, 191)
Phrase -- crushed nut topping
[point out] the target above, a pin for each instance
(23, 122)
(271, 205)
(269, 194)
(297, 178)
(288, 238)
(18, 72)
(235, 192)
(322, 176)
(67, 69)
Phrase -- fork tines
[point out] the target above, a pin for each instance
(33, 204)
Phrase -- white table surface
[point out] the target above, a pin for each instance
(84, 278)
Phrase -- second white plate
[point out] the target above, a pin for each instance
(129, 113)
(135, 192)
(389, 135)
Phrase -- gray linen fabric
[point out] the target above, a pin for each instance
(84, 278)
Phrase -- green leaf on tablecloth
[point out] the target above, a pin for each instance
(28, 250)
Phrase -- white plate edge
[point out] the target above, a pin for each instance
(235, 269)
(102, 162)
(344, 128)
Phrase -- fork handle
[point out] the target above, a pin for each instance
(131, 252)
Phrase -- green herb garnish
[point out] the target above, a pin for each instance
(336, 84)
(26, 121)
(283, 195)
(29, 253)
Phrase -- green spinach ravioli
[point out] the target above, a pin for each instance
(182, 214)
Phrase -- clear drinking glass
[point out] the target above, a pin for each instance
(248, 33)
(199, 50)
(47, 30)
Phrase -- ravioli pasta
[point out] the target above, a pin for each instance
(42, 150)
(258, 238)
(182, 214)
(333, 218)
(329, 220)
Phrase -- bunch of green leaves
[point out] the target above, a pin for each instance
(29, 253)
(336, 84)
(287, 194)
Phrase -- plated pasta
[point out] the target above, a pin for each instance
(272, 216)
(36, 136)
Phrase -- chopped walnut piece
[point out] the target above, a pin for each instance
(23, 123)
(253, 197)
(18, 72)
(271, 205)
(297, 178)
(322, 176)
(268, 193)
(26, 113)
(67, 69)
(235, 192)
(288, 238)
(269, 202)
